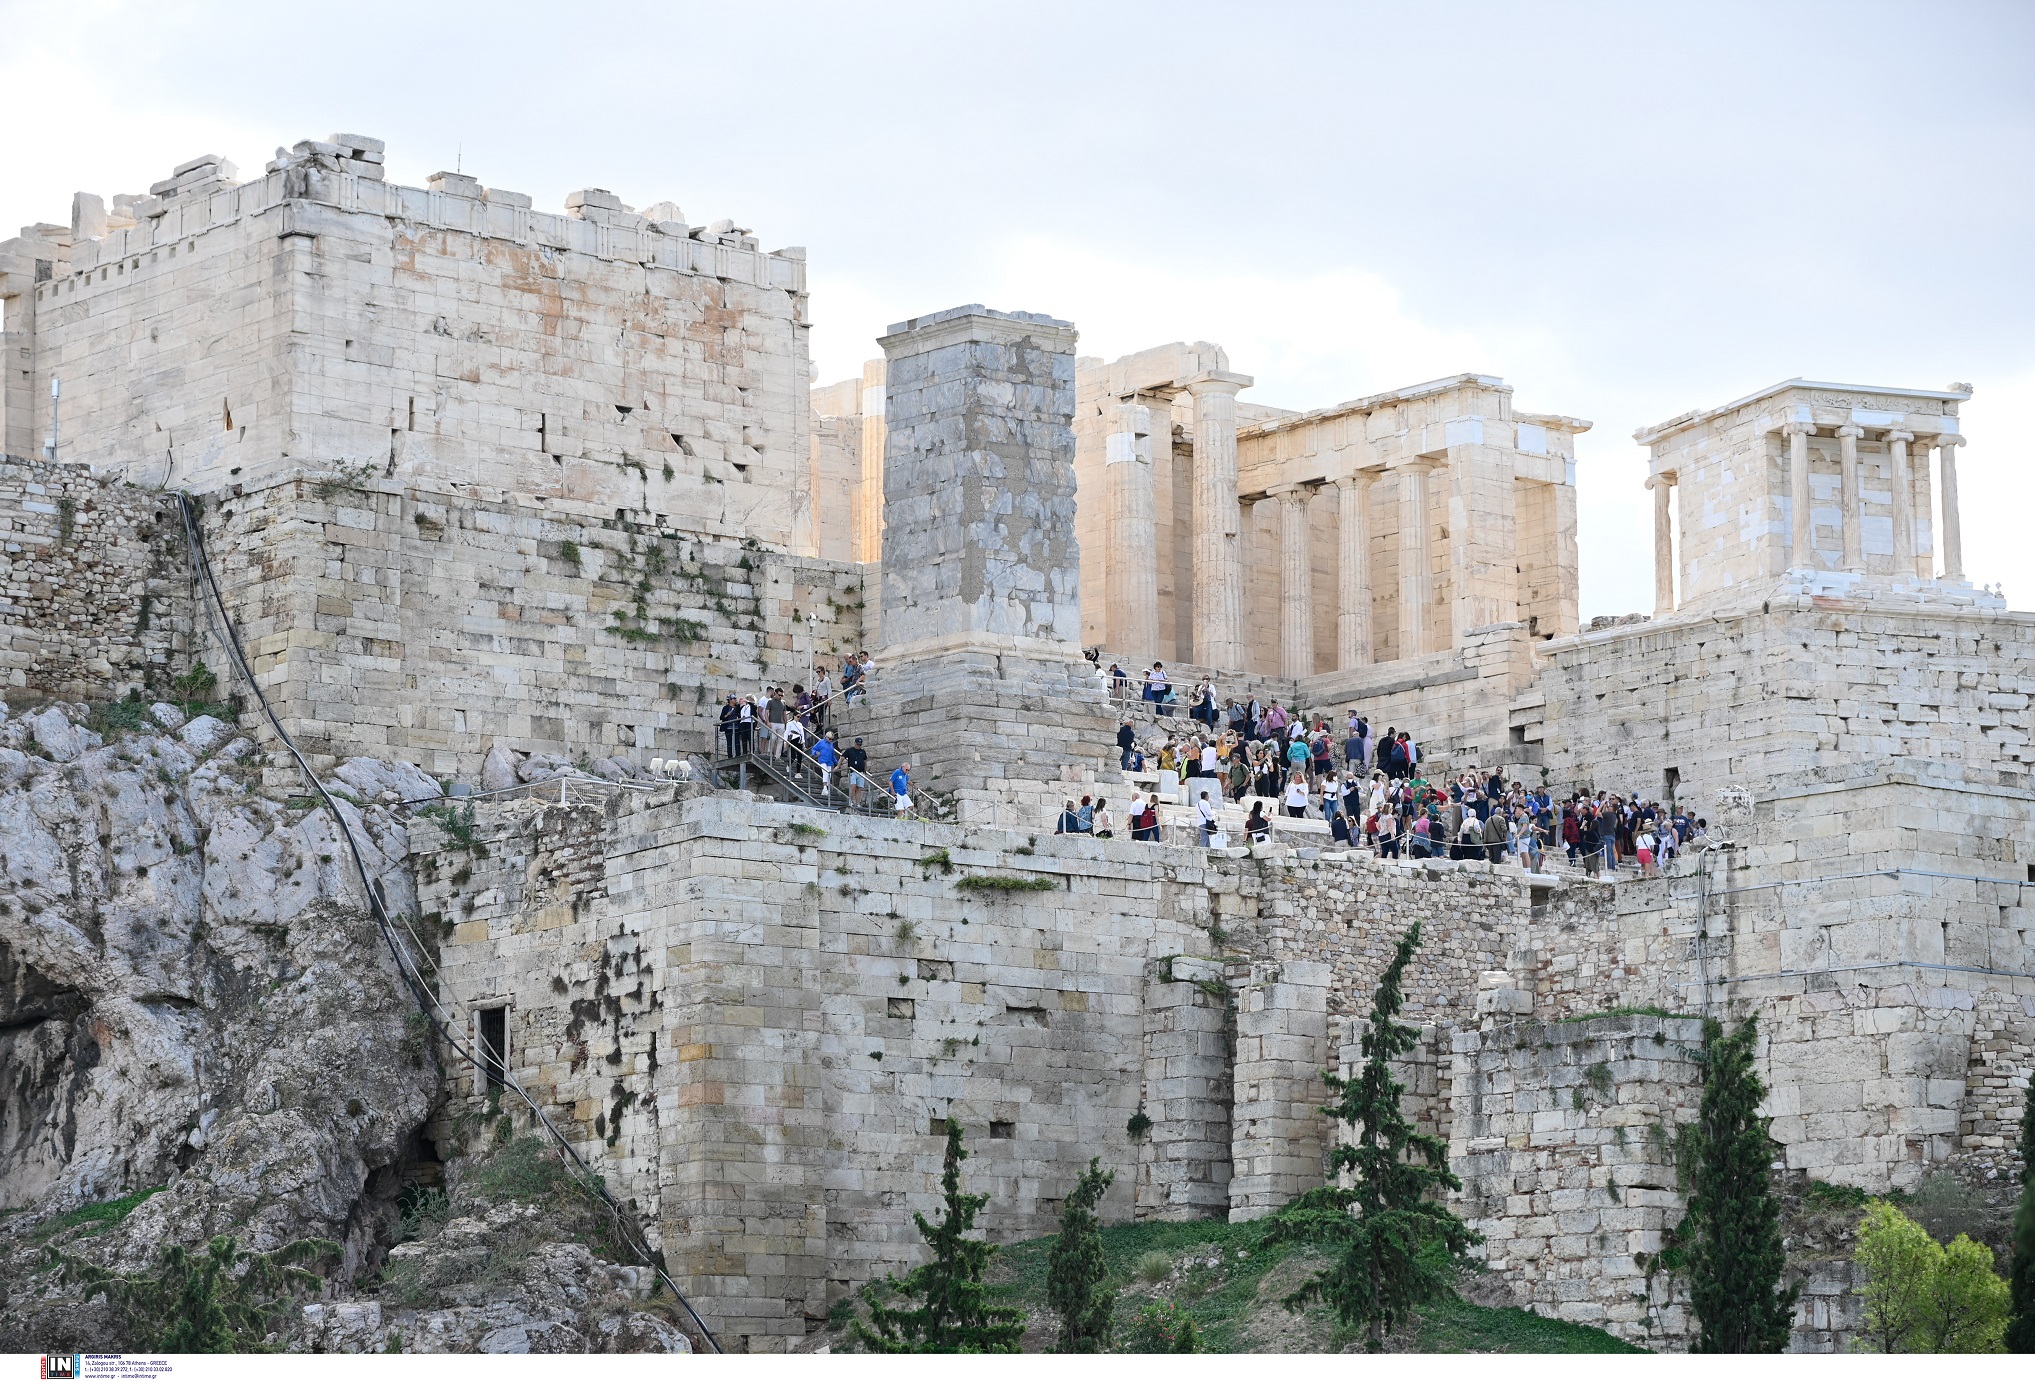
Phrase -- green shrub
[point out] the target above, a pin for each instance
(987, 883)
(1924, 1297)
(1153, 1267)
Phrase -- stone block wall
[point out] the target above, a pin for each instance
(754, 1020)
(1564, 1139)
(317, 315)
(1799, 691)
(95, 595)
(431, 625)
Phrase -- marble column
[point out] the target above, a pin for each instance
(1851, 504)
(1663, 486)
(1946, 499)
(1353, 571)
(1416, 574)
(1296, 582)
(1801, 555)
(1903, 486)
(1218, 619)
(1133, 557)
(868, 524)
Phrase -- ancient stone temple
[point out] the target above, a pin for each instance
(505, 504)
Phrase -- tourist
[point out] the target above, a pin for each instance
(1205, 809)
(1084, 817)
(1296, 796)
(1148, 820)
(823, 698)
(730, 714)
(774, 716)
(1119, 683)
(1126, 740)
(1257, 829)
(745, 726)
(825, 754)
(1103, 826)
(1070, 819)
(901, 788)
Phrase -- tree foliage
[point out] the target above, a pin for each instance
(1924, 1297)
(1400, 1246)
(218, 1299)
(952, 1313)
(2020, 1336)
(1076, 1276)
(1732, 1234)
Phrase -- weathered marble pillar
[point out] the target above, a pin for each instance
(1903, 486)
(1946, 499)
(1218, 617)
(869, 499)
(1296, 583)
(1353, 571)
(1852, 502)
(1416, 575)
(1663, 486)
(1801, 555)
(1133, 556)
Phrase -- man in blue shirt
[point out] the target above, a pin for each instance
(901, 787)
(826, 756)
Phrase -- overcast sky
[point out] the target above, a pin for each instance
(1625, 210)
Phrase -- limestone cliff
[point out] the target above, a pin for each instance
(192, 998)
(203, 1032)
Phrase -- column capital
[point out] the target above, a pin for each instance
(1665, 479)
(1357, 479)
(1292, 493)
(1851, 431)
(1899, 437)
(1949, 439)
(1800, 428)
(1217, 381)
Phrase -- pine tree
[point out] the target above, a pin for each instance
(1733, 1230)
(953, 1313)
(1400, 1245)
(1075, 1273)
(2021, 1275)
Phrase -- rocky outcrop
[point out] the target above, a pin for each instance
(202, 1031)
(194, 998)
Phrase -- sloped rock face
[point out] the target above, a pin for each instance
(486, 1281)
(192, 997)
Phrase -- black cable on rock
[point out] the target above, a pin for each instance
(406, 967)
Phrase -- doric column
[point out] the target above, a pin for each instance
(1946, 499)
(869, 508)
(1416, 576)
(1663, 486)
(1296, 583)
(1218, 614)
(1133, 556)
(1801, 556)
(1851, 504)
(1903, 485)
(1353, 571)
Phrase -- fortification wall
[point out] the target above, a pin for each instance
(94, 590)
(1564, 1139)
(1802, 691)
(431, 625)
(318, 316)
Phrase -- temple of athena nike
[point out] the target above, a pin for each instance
(520, 495)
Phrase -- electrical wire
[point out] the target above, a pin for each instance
(427, 1002)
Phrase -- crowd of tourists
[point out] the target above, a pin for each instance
(1373, 791)
(789, 725)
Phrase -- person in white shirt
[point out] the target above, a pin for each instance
(1206, 810)
(1296, 795)
(1209, 760)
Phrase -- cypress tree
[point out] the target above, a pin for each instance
(1733, 1228)
(1075, 1273)
(1399, 1244)
(953, 1313)
(2021, 1275)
